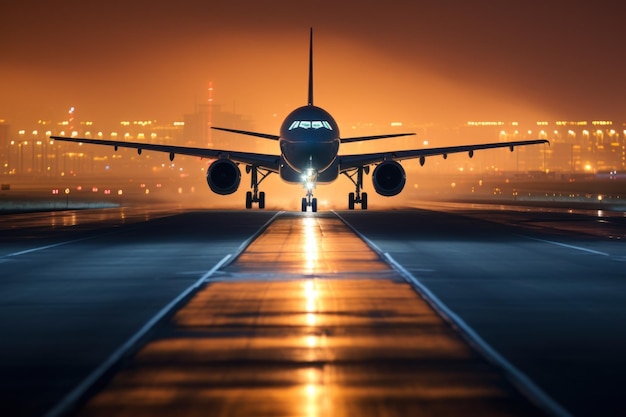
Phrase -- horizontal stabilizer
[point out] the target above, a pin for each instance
(364, 138)
(245, 132)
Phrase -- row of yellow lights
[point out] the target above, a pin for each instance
(123, 123)
(569, 132)
(154, 135)
(544, 123)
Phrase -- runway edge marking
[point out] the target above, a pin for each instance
(71, 400)
(252, 238)
(53, 245)
(129, 227)
(565, 245)
(517, 377)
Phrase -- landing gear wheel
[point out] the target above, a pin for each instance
(257, 176)
(356, 176)
(304, 204)
(314, 205)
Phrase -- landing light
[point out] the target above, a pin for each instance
(308, 179)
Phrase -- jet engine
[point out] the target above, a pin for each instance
(389, 178)
(223, 177)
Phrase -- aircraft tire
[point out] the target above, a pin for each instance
(351, 201)
(304, 204)
(262, 200)
(364, 201)
(249, 200)
(314, 205)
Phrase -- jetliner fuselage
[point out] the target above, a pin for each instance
(309, 140)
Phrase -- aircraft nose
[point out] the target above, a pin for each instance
(317, 156)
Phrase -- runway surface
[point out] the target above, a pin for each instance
(75, 286)
(308, 321)
(545, 289)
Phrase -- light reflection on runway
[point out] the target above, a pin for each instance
(609, 224)
(84, 218)
(335, 331)
(457, 206)
(79, 296)
(311, 242)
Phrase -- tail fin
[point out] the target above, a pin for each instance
(310, 102)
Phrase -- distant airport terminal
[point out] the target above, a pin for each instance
(591, 147)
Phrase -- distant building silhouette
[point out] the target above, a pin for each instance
(197, 125)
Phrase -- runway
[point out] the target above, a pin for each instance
(544, 289)
(76, 288)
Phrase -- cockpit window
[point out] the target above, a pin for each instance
(306, 124)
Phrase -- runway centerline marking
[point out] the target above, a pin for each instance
(308, 320)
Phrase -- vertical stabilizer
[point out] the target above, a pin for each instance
(310, 102)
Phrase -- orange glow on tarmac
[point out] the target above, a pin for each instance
(269, 338)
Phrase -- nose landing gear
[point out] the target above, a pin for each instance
(309, 178)
(309, 201)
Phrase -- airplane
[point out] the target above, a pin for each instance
(309, 141)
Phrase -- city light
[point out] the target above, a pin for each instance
(488, 123)
(603, 147)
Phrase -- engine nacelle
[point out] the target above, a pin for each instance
(223, 177)
(389, 178)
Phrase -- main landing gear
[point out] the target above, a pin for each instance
(357, 197)
(255, 196)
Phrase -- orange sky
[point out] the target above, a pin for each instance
(375, 61)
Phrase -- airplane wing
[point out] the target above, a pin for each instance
(265, 161)
(348, 162)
